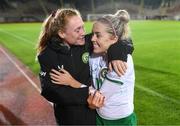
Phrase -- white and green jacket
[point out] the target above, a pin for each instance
(118, 91)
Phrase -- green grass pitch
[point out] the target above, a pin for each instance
(156, 58)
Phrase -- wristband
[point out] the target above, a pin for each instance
(83, 86)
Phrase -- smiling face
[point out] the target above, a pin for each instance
(101, 38)
(74, 32)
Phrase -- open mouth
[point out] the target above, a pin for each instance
(95, 45)
(82, 38)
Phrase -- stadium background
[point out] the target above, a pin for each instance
(155, 29)
(37, 10)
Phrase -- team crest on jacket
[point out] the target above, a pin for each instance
(85, 57)
(103, 72)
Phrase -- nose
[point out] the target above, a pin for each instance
(83, 31)
(93, 38)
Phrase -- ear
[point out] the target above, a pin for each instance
(114, 39)
(61, 34)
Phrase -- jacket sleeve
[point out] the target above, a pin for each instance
(120, 50)
(64, 95)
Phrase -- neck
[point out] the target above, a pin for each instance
(65, 44)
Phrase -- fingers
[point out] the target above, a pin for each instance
(95, 98)
(64, 71)
(98, 100)
(110, 67)
(55, 78)
(60, 72)
(56, 82)
(117, 69)
(101, 101)
(120, 67)
(54, 75)
(55, 71)
(124, 66)
(90, 98)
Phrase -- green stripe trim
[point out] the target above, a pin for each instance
(115, 81)
(97, 83)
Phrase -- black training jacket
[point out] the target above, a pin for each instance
(55, 55)
(70, 104)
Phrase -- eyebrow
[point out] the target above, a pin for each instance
(78, 28)
(96, 32)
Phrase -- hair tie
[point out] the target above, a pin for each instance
(114, 31)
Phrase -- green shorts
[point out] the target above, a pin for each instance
(127, 121)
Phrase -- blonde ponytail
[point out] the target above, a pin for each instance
(117, 24)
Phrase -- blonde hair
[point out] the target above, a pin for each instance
(54, 23)
(117, 24)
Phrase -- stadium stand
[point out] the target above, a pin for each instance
(37, 10)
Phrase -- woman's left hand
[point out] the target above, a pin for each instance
(63, 77)
(95, 100)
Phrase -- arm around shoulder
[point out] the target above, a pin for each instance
(120, 50)
(58, 93)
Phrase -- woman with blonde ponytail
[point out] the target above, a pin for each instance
(60, 48)
(62, 52)
(118, 106)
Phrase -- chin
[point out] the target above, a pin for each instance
(80, 43)
(97, 52)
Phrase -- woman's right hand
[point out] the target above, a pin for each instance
(63, 77)
(95, 100)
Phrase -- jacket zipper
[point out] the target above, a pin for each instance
(72, 61)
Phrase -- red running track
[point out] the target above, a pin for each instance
(20, 99)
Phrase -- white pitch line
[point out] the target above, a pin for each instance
(25, 75)
(157, 94)
(16, 36)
